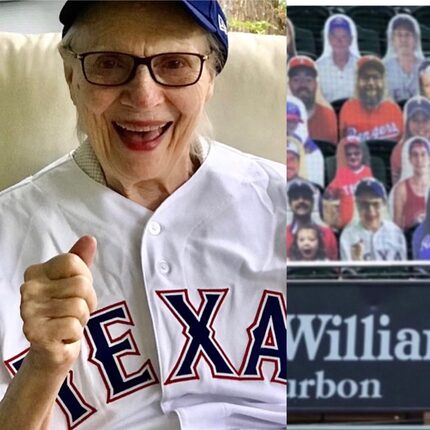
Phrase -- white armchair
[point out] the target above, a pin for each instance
(38, 120)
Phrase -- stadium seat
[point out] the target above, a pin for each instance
(337, 9)
(425, 39)
(405, 9)
(382, 149)
(330, 168)
(368, 41)
(379, 169)
(312, 18)
(402, 103)
(408, 235)
(337, 105)
(327, 148)
(374, 18)
(305, 42)
(422, 14)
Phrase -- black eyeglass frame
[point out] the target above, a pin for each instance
(137, 61)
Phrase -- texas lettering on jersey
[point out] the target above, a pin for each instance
(266, 333)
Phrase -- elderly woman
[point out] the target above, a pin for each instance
(404, 57)
(175, 317)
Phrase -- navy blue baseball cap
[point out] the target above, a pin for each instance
(371, 186)
(339, 22)
(299, 187)
(417, 104)
(207, 13)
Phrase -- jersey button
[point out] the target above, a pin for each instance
(163, 267)
(154, 228)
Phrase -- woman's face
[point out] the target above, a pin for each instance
(419, 125)
(141, 130)
(425, 84)
(403, 41)
(307, 242)
(419, 158)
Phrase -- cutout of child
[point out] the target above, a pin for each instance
(302, 210)
(308, 244)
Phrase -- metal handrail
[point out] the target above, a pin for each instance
(353, 264)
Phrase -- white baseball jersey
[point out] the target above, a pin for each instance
(190, 330)
(386, 244)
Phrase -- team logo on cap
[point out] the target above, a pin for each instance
(221, 24)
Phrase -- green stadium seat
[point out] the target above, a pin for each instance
(368, 41)
(312, 18)
(305, 42)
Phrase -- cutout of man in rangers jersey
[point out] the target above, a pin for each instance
(370, 115)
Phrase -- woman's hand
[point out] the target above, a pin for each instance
(57, 298)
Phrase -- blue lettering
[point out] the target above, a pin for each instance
(198, 331)
(268, 339)
(107, 353)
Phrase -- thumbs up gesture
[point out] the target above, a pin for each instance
(57, 298)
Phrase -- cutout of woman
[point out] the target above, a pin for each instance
(424, 78)
(371, 235)
(297, 127)
(337, 64)
(407, 198)
(291, 42)
(416, 119)
(353, 164)
(403, 57)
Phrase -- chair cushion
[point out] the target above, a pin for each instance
(38, 119)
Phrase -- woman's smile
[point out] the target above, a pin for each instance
(141, 136)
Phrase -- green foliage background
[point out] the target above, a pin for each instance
(256, 16)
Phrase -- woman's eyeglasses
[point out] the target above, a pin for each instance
(170, 69)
